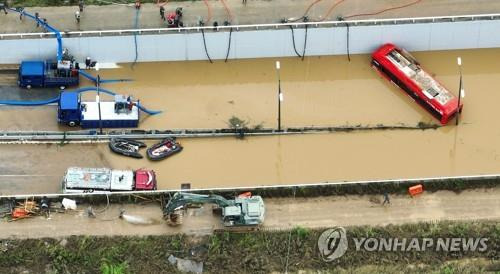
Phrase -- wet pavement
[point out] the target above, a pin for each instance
(254, 12)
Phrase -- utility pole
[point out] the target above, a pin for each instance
(461, 92)
(98, 99)
(280, 95)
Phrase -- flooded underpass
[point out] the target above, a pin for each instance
(328, 91)
(321, 91)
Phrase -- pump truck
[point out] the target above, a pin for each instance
(61, 73)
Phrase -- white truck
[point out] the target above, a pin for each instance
(102, 180)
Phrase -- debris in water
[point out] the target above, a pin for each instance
(236, 123)
(135, 220)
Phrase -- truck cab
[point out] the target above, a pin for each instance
(31, 74)
(145, 179)
(68, 111)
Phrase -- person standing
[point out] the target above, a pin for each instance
(80, 5)
(77, 16)
(37, 19)
(87, 63)
(21, 12)
(386, 199)
(245, 2)
(3, 6)
(162, 13)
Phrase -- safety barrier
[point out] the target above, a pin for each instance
(290, 190)
(41, 136)
(245, 41)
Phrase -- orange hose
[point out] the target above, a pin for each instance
(209, 10)
(384, 10)
(228, 11)
(310, 6)
(162, 3)
(331, 9)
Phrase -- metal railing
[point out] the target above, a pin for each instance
(495, 177)
(336, 23)
(22, 137)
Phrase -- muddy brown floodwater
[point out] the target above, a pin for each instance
(318, 91)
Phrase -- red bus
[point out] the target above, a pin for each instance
(401, 68)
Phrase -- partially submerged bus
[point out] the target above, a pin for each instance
(399, 67)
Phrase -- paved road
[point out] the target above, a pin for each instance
(255, 12)
(280, 213)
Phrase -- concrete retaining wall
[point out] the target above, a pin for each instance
(261, 43)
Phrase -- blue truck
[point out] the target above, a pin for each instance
(62, 73)
(45, 74)
(122, 112)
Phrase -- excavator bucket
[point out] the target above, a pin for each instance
(175, 218)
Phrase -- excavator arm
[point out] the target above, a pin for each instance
(242, 211)
(180, 200)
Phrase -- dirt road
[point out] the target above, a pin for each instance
(280, 213)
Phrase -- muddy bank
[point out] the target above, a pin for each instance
(250, 252)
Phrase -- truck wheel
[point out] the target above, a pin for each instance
(28, 86)
(72, 123)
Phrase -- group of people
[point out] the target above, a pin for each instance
(172, 19)
(20, 10)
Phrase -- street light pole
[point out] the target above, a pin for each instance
(280, 95)
(460, 88)
(98, 99)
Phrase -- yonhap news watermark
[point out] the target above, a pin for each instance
(333, 244)
(421, 244)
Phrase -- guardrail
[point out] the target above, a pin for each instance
(495, 178)
(336, 23)
(92, 135)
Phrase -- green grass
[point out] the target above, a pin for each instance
(258, 252)
(109, 268)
